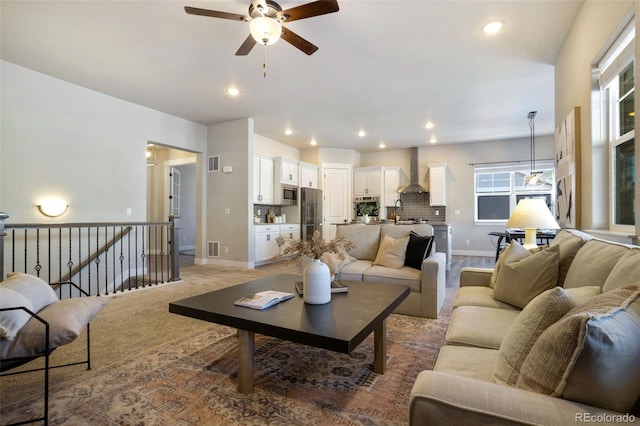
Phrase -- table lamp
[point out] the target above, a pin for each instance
(531, 214)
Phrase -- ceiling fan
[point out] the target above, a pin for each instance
(265, 22)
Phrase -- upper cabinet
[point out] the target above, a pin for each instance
(391, 185)
(367, 181)
(262, 180)
(308, 175)
(438, 184)
(286, 171)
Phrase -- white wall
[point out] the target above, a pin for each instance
(89, 148)
(593, 31)
(271, 148)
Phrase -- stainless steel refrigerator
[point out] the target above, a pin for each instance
(310, 212)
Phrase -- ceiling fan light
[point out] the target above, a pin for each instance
(265, 30)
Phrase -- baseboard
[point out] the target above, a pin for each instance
(225, 263)
(479, 253)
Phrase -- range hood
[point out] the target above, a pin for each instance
(414, 186)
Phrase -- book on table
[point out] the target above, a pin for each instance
(263, 299)
(337, 286)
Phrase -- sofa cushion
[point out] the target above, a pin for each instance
(591, 354)
(354, 270)
(67, 318)
(536, 317)
(593, 263)
(418, 249)
(365, 237)
(479, 296)
(520, 281)
(12, 321)
(391, 252)
(467, 361)
(404, 276)
(570, 242)
(479, 326)
(626, 271)
(39, 293)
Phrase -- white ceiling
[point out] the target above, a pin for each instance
(386, 66)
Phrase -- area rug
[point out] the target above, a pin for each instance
(192, 381)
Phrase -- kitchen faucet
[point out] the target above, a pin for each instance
(395, 206)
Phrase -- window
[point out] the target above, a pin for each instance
(617, 87)
(499, 188)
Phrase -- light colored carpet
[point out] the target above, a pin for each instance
(134, 323)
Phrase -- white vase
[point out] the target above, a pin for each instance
(316, 279)
(366, 218)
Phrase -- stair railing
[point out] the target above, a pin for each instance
(101, 258)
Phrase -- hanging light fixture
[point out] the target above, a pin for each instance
(265, 30)
(533, 177)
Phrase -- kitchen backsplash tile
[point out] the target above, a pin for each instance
(416, 206)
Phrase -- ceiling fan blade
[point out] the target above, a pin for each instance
(298, 41)
(246, 47)
(215, 14)
(320, 7)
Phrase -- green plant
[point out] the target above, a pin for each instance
(367, 209)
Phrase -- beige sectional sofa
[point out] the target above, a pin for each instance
(427, 284)
(570, 354)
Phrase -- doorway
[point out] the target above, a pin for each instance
(171, 189)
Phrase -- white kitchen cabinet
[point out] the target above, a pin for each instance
(367, 181)
(438, 184)
(265, 244)
(286, 171)
(391, 185)
(262, 180)
(308, 175)
(290, 232)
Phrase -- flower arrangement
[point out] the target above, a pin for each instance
(367, 209)
(313, 249)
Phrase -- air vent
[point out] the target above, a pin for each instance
(213, 164)
(213, 249)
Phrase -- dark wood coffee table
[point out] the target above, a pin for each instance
(339, 326)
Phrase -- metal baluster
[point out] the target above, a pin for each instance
(162, 228)
(97, 262)
(38, 266)
(121, 258)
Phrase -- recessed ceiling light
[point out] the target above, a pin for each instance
(313, 142)
(233, 91)
(429, 125)
(288, 132)
(382, 145)
(493, 27)
(362, 133)
(433, 139)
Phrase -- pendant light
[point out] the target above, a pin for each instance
(532, 179)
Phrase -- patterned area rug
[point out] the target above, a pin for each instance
(192, 381)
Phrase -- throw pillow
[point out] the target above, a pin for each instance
(39, 293)
(591, 355)
(518, 282)
(391, 252)
(67, 318)
(12, 321)
(418, 249)
(511, 253)
(544, 310)
(336, 261)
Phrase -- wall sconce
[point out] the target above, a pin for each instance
(152, 158)
(53, 207)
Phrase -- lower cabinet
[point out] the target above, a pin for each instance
(265, 244)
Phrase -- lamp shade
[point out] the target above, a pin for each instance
(265, 30)
(532, 213)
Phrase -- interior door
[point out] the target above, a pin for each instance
(174, 194)
(336, 199)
